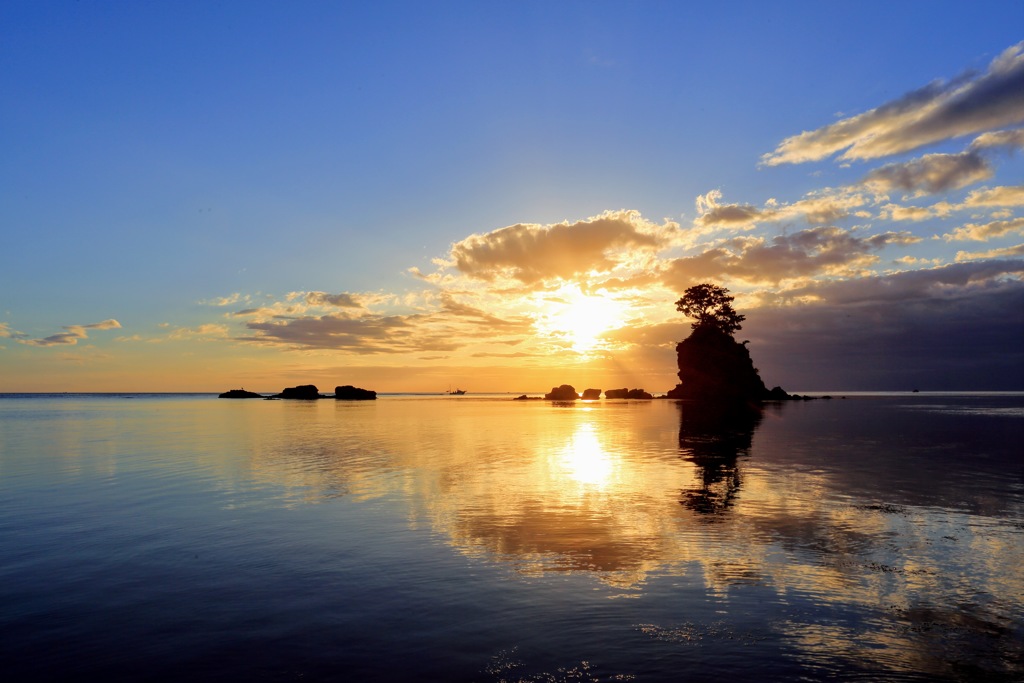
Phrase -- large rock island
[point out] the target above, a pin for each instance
(713, 366)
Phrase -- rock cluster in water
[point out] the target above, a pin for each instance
(627, 393)
(567, 392)
(308, 392)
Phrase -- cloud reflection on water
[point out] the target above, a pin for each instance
(802, 510)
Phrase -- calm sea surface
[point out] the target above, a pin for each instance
(182, 537)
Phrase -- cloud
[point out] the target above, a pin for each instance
(1004, 252)
(1002, 197)
(956, 326)
(939, 111)
(478, 316)
(996, 196)
(224, 300)
(5, 331)
(895, 212)
(815, 251)
(931, 173)
(262, 312)
(1007, 140)
(206, 331)
(825, 206)
(819, 207)
(449, 324)
(73, 334)
(342, 300)
(983, 232)
(943, 282)
(533, 253)
(365, 335)
(712, 213)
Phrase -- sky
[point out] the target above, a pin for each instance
(508, 196)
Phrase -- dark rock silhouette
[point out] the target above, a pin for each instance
(627, 393)
(351, 393)
(240, 393)
(715, 367)
(591, 394)
(305, 392)
(566, 392)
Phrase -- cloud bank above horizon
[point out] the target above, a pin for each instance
(899, 262)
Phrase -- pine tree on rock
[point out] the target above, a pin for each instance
(713, 366)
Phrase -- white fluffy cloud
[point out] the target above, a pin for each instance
(533, 253)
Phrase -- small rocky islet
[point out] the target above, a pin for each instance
(308, 392)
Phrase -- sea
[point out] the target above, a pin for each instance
(181, 537)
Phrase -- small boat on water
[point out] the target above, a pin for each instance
(456, 392)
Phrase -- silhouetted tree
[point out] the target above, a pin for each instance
(711, 306)
(713, 366)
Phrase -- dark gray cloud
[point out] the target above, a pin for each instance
(450, 326)
(363, 335)
(931, 173)
(897, 333)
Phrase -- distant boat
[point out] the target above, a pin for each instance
(456, 392)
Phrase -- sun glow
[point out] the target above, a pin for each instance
(584, 460)
(580, 319)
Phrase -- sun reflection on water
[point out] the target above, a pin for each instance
(584, 459)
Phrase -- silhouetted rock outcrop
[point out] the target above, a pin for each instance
(566, 392)
(591, 394)
(715, 367)
(627, 393)
(351, 393)
(240, 393)
(306, 392)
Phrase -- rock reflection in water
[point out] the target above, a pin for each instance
(713, 436)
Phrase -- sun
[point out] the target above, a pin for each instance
(580, 318)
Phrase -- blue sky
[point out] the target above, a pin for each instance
(203, 195)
